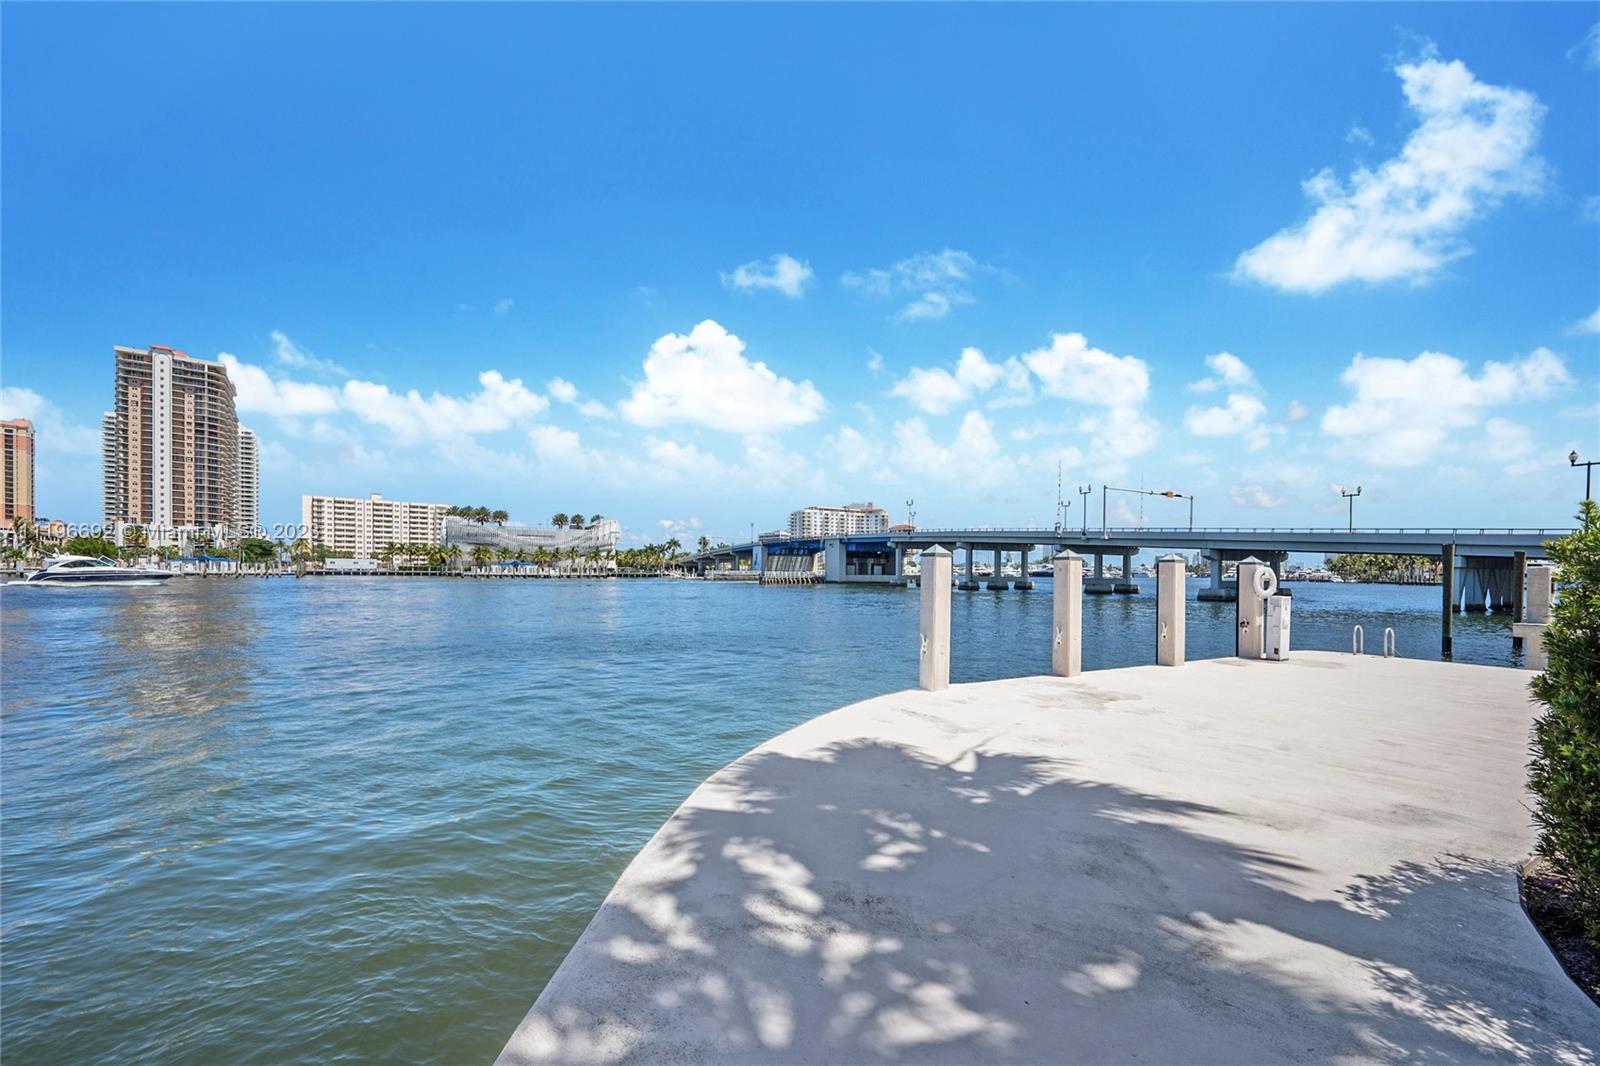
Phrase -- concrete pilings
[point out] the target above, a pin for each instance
(997, 578)
(969, 582)
(1171, 609)
(1023, 581)
(1126, 583)
(1066, 642)
(1099, 584)
(934, 671)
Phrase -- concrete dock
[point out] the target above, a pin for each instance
(1229, 861)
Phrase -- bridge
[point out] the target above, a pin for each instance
(1484, 567)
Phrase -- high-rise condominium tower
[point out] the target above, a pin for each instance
(18, 463)
(171, 442)
(249, 482)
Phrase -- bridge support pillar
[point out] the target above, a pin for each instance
(1216, 590)
(969, 583)
(1066, 642)
(1171, 581)
(1099, 584)
(1023, 581)
(997, 579)
(1126, 584)
(899, 563)
(934, 654)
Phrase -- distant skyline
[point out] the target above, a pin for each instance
(696, 267)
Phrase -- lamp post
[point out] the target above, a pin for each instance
(1588, 471)
(1085, 491)
(1169, 493)
(1351, 496)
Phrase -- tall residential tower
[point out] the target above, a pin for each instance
(249, 483)
(18, 463)
(171, 442)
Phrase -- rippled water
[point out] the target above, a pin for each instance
(363, 819)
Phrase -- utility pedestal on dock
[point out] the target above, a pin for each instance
(1541, 599)
(1252, 627)
(935, 652)
(1171, 608)
(1066, 644)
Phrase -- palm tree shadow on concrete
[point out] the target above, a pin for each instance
(865, 903)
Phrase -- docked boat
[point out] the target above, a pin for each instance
(86, 570)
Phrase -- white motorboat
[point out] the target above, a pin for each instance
(87, 570)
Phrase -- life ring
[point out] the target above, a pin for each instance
(1266, 582)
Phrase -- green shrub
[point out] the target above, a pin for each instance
(1565, 773)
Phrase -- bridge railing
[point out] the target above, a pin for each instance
(1319, 530)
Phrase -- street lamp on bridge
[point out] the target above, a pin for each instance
(1170, 494)
(1085, 491)
(1351, 496)
(1588, 470)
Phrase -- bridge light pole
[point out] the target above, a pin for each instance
(1351, 496)
(1182, 496)
(1588, 471)
(1085, 491)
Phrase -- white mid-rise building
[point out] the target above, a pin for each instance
(845, 521)
(249, 483)
(363, 526)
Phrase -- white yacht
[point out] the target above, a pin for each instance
(85, 570)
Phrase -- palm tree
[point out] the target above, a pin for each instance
(452, 556)
(482, 555)
(705, 542)
(481, 515)
(499, 518)
(559, 520)
(577, 521)
(670, 548)
(134, 539)
(27, 534)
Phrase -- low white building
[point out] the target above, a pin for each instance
(848, 520)
(363, 527)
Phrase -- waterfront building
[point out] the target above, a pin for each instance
(846, 521)
(18, 462)
(170, 442)
(599, 536)
(249, 482)
(363, 526)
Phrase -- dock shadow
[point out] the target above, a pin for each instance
(865, 903)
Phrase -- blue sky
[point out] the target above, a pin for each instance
(695, 266)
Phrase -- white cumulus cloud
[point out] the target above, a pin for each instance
(1591, 324)
(973, 452)
(937, 390)
(780, 273)
(1227, 371)
(1255, 494)
(288, 353)
(1404, 409)
(1073, 370)
(1240, 416)
(1473, 145)
(703, 378)
(936, 282)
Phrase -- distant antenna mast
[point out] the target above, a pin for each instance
(911, 514)
(1060, 507)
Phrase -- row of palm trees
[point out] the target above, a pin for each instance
(480, 515)
(575, 521)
